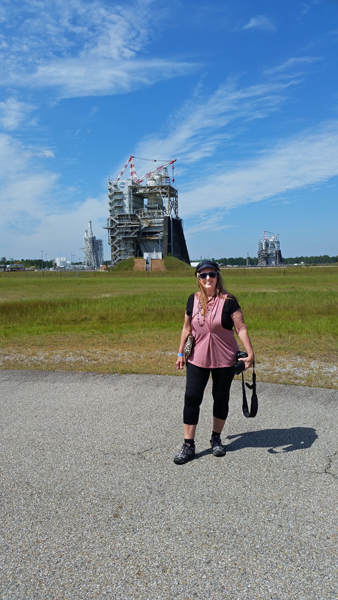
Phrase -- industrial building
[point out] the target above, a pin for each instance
(143, 216)
(93, 249)
(269, 252)
(61, 262)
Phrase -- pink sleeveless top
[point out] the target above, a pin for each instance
(214, 347)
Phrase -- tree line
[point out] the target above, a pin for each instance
(37, 263)
(311, 260)
(28, 262)
(239, 261)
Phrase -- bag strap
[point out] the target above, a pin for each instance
(254, 400)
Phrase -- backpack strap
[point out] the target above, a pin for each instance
(254, 400)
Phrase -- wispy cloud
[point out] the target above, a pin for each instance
(307, 6)
(307, 159)
(207, 223)
(90, 76)
(260, 22)
(45, 153)
(200, 125)
(13, 113)
(82, 48)
(291, 63)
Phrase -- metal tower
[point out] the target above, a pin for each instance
(93, 249)
(143, 216)
(269, 252)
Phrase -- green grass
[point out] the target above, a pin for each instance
(124, 322)
(124, 265)
(176, 266)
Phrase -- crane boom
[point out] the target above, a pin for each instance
(124, 168)
(156, 170)
(133, 170)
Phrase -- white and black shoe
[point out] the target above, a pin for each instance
(186, 453)
(217, 447)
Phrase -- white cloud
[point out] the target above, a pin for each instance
(307, 159)
(24, 185)
(36, 211)
(13, 112)
(45, 153)
(291, 63)
(260, 22)
(61, 234)
(83, 48)
(206, 223)
(200, 125)
(76, 77)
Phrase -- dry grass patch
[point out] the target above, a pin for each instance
(155, 353)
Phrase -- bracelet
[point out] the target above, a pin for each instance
(180, 354)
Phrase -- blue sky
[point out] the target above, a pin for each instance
(244, 94)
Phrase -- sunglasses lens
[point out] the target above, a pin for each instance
(212, 275)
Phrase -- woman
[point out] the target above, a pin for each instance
(211, 315)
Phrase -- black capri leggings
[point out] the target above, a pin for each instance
(197, 379)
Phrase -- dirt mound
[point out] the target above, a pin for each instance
(139, 264)
(157, 264)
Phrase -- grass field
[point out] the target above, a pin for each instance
(127, 322)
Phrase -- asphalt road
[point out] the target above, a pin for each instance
(93, 505)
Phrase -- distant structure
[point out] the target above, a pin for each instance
(143, 216)
(269, 252)
(93, 249)
(61, 262)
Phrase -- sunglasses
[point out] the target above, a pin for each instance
(212, 275)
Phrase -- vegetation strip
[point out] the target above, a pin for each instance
(127, 323)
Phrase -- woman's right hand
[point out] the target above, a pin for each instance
(180, 362)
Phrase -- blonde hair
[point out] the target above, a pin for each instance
(220, 289)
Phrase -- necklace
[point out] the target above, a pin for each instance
(210, 306)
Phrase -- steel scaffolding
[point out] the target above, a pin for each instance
(269, 252)
(143, 216)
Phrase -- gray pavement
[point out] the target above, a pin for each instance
(94, 507)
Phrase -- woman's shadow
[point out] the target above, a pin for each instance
(286, 440)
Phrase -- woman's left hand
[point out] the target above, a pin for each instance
(248, 362)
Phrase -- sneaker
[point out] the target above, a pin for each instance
(186, 453)
(217, 447)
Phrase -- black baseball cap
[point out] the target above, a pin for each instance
(207, 264)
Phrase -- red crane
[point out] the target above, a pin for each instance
(134, 174)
